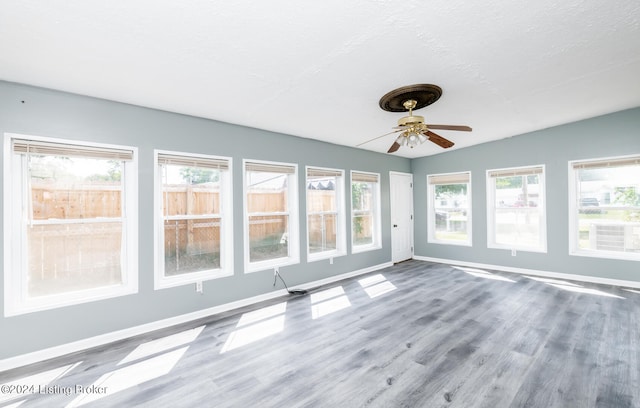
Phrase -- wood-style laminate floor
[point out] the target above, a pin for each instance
(417, 334)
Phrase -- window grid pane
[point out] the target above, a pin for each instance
(192, 218)
(321, 200)
(268, 212)
(266, 192)
(517, 221)
(72, 257)
(322, 232)
(517, 210)
(517, 226)
(451, 210)
(84, 249)
(322, 209)
(362, 196)
(362, 229)
(608, 206)
(187, 200)
(363, 201)
(268, 237)
(191, 245)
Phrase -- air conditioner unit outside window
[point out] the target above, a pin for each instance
(619, 237)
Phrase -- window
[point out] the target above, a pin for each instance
(516, 209)
(194, 223)
(71, 225)
(365, 211)
(325, 213)
(271, 215)
(449, 208)
(604, 207)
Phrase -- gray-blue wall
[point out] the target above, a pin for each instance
(56, 114)
(616, 134)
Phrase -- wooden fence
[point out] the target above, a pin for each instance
(75, 201)
(54, 246)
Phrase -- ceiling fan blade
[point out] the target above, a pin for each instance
(394, 147)
(439, 140)
(378, 137)
(450, 127)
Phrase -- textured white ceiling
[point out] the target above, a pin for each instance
(317, 69)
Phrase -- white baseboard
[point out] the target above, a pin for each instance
(535, 272)
(57, 351)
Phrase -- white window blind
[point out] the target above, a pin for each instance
(599, 164)
(456, 178)
(364, 177)
(523, 171)
(36, 147)
(191, 161)
(313, 172)
(270, 168)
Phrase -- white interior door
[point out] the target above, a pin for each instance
(401, 185)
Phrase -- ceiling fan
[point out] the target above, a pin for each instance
(413, 131)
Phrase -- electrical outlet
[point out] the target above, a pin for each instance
(276, 271)
(331, 261)
(199, 287)
(513, 252)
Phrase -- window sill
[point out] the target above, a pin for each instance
(45, 303)
(518, 249)
(320, 256)
(455, 243)
(364, 248)
(190, 278)
(606, 255)
(270, 264)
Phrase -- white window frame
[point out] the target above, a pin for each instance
(574, 247)
(16, 300)
(293, 239)
(491, 207)
(339, 213)
(162, 281)
(461, 177)
(376, 213)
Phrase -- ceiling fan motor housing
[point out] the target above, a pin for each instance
(410, 120)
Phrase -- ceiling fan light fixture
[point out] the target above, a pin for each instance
(412, 140)
(415, 138)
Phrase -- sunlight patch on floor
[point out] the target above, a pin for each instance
(130, 376)
(588, 291)
(163, 344)
(553, 281)
(372, 280)
(573, 287)
(376, 285)
(262, 314)
(256, 325)
(328, 301)
(483, 274)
